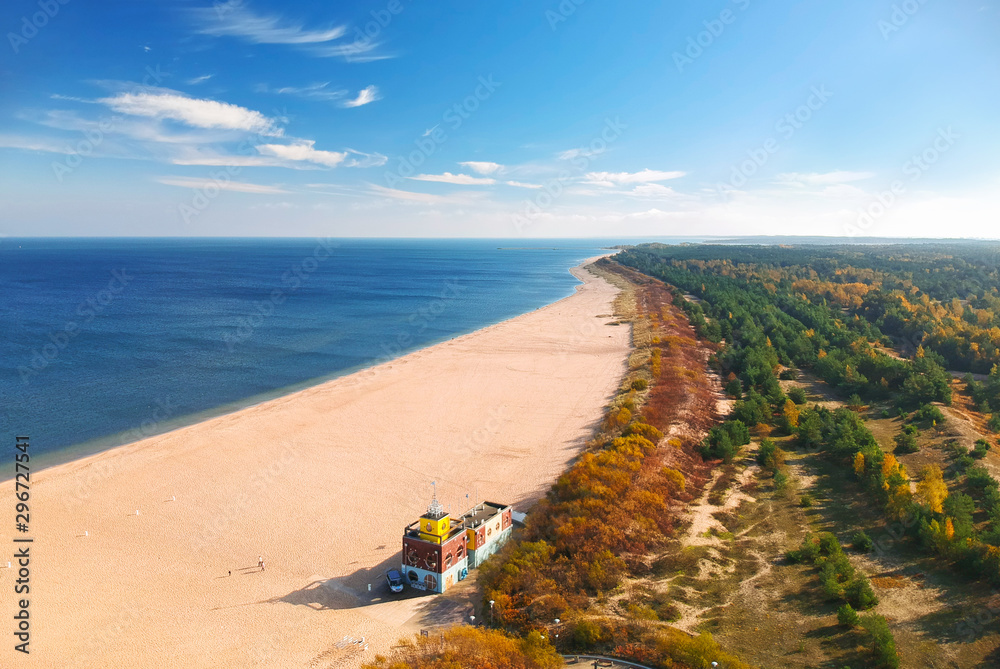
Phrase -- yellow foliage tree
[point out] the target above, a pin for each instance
(889, 466)
(949, 529)
(791, 414)
(933, 488)
(899, 500)
(675, 477)
(624, 416)
(859, 463)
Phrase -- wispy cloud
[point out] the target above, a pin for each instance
(611, 179)
(199, 80)
(653, 190)
(521, 184)
(482, 167)
(237, 186)
(359, 51)
(365, 96)
(32, 144)
(576, 153)
(303, 151)
(318, 91)
(362, 159)
(822, 178)
(406, 195)
(457, 179)
(208, 158)
(195, 112)
(232, 19)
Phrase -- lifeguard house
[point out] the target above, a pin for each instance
(439, 550)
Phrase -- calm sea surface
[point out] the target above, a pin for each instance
(103, 341)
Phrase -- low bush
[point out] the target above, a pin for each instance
(847, 616)
(928, 413)
(981, 449)
(862, 543)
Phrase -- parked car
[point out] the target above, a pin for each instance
(395, 580)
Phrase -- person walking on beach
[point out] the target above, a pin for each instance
(262, 565)
(260, 562)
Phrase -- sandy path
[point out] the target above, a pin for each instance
(321, 484)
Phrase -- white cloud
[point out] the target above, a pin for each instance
(482, 167)
(302, 150)
(233, 20)
(822, 179)
(406, 195)
(365, 96)
(521, 184)
(195, 112)
(318, 91)
(620, 178)
(198, 80)
(574, 153)
(653, 190)
(238, 186)
(32, 144)
(194, 156)
(365, 159)
(457, 179)
(359, 51)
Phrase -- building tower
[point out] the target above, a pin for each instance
(435, 550)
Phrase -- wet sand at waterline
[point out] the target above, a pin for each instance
(320, 484)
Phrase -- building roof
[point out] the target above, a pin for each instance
(481, 512)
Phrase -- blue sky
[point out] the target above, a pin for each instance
(513, 119)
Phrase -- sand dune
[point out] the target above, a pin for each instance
(320, 483)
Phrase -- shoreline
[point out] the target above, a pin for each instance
(92, 447)
(320, 482)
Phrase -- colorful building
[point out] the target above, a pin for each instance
(439, 550)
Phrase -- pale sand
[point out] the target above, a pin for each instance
(321, 484)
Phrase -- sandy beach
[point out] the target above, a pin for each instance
(320, 483)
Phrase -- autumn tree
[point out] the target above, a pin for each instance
(859, 463)
(932, 488)
(465, 646)
(791, 414)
